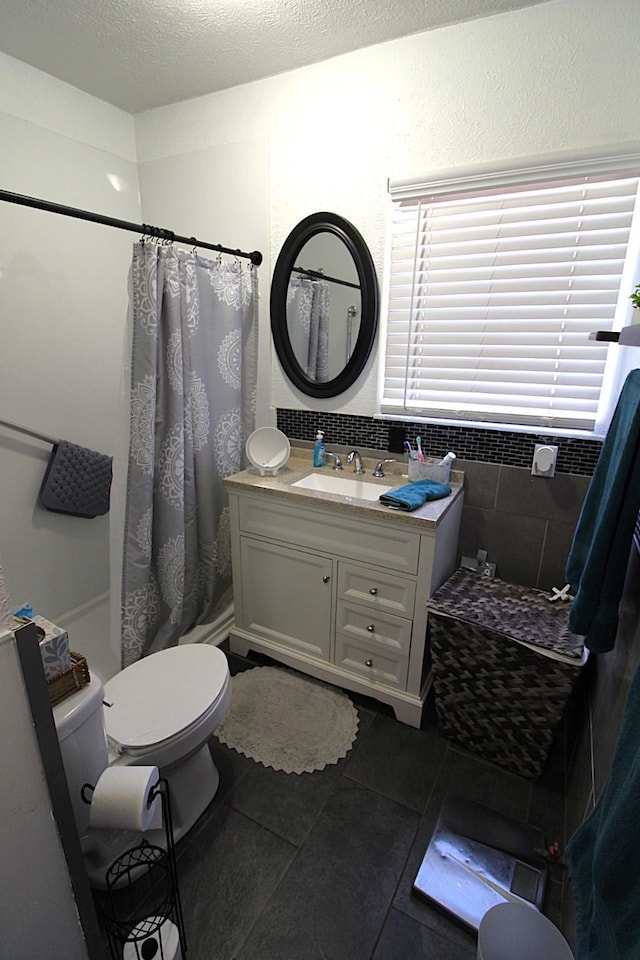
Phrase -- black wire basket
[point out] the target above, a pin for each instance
(142, 913)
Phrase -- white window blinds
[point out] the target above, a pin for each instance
(493, 293)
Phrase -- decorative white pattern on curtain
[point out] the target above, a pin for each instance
(193, 380)
(308, 325)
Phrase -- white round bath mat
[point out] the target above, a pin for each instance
(288, 722)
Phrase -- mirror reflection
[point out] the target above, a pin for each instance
(324, 306)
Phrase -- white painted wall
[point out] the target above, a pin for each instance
(220, 196)
(63, 308)
(38, 917)
(558, 76)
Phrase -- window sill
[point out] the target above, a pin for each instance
(530, 429)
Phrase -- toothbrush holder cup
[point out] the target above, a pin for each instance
(429, 470)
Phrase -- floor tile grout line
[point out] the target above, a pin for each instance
(332, 791)
(445, 754)
(240, 946)
(297, 848)
(210, 812)
(390, 906)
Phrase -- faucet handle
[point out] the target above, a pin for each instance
(352, 456)
(338, 460)
(379, 472)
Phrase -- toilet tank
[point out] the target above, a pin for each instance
(83, 744)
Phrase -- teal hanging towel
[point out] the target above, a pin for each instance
(597, 562)
(603, 853)
(413, 495)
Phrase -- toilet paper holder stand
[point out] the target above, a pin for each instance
(86, 791)
(143, 906)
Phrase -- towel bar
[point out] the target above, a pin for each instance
(29, 433)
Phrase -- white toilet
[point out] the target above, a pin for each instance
(160, 711)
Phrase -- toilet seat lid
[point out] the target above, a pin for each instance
(162, 694)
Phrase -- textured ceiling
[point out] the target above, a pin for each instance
(139, 54)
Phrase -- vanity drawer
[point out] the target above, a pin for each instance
(327, 531)
(374, 628)
(377, 589)
(371, 662)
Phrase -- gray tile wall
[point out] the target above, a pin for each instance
(525, 523)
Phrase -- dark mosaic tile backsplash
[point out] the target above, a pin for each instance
(469, 443)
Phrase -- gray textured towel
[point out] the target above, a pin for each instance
(77, 481)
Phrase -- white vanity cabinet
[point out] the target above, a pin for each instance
(340, 593)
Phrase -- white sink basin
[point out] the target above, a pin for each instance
(342, 486)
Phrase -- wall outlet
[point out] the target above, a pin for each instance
(544, 460)
(479, 565)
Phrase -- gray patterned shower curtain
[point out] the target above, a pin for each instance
(193, 383)
(308, 325)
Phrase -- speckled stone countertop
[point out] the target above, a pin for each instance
(299, 465)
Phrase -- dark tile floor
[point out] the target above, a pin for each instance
(321, 866)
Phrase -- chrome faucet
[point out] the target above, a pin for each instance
(338, 460)
(379, 472)
(355, 458)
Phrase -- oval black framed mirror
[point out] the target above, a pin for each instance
(324, 305)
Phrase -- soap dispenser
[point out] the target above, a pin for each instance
(319, 454)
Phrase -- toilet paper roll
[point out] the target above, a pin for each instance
(121, 800)
(163, 942)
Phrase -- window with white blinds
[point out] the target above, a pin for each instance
(493, 293)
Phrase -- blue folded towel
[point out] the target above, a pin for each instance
(413, 495)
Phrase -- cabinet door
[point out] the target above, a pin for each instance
(286, 596)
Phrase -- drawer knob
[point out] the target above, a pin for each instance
(368, 663)
(326, 578)
(373, 591)
(371, 627)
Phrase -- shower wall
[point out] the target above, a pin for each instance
(63, 308)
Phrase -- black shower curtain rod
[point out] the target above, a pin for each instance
(318, 275)
(142, 228)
